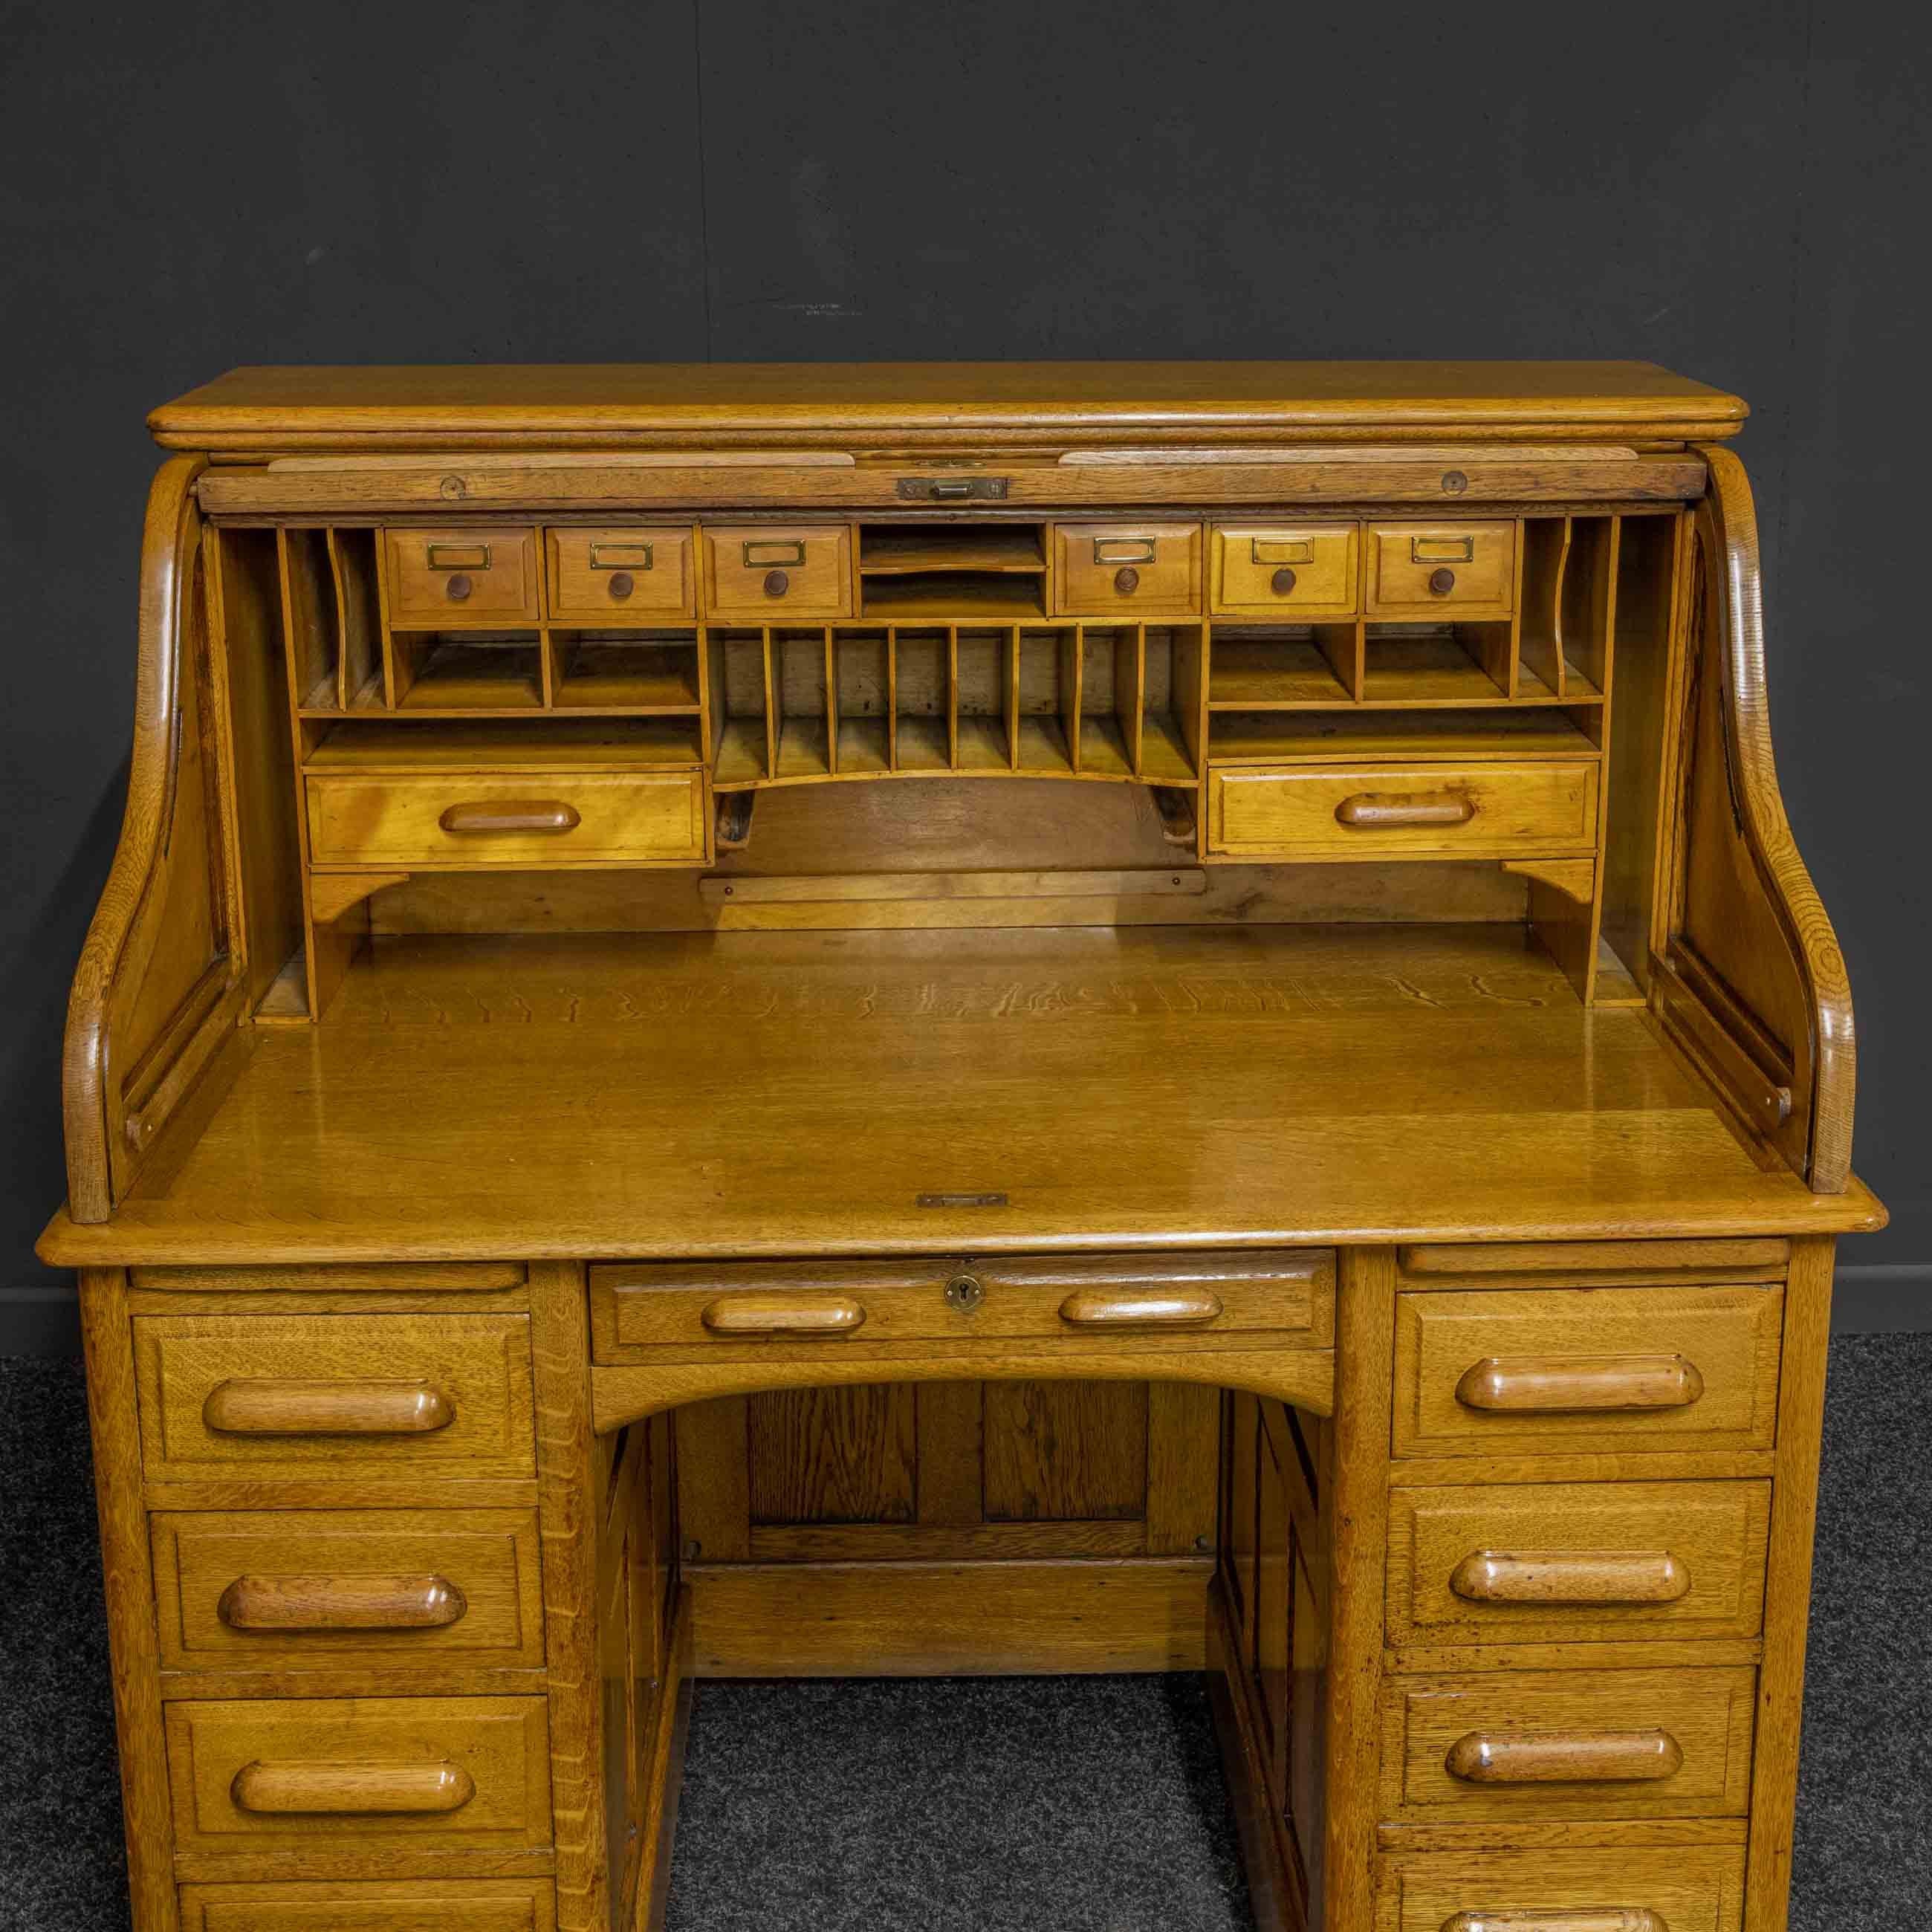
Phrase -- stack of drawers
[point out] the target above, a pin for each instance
(343, 1522)
(1574, 1592)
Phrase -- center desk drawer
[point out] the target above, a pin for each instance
(533, 818)
(322, 1396)
(1284, 1296)
(1523, 809)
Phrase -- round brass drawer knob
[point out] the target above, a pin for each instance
(622, 583)
(964, 1293)
(1282, 582)
(1127, 581)
(777, 583)
(1442, 582)
(457, 589)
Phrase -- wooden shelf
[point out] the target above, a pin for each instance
(1043, 750)
(432, 744)
(455, 676)
(1267, 737)
(954, 597)
(627, 676)
(740, 759)
(883, 552)
(1250, 674)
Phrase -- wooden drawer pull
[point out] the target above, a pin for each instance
(340, 1602)
(512, 814)
(1608, 1918)
(1110, 1308)
(1367, 812)
(1564, 1757)
(1566, 1384)
(803, 1315)
(1595, 1576)
(326, 1408)
(295, 1790)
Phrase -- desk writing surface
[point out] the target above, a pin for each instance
(787, 1094)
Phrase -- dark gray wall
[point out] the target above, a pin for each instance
(1738, 191)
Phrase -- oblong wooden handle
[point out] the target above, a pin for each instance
(803, 1315)
(341, 1602)
(1370, 812)
(1564, 1757)
(1560, 1385)
(512, 814)
(1592, 1918)
(1129, 1308)
(326, 1408)
(1594, 1576)
(293, 1788)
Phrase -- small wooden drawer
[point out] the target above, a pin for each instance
(1287, 1296)
(543, 819)
(1290, 572)
(1123, 571)
(1574, 1743)
(1582, 1562)
(322, 1396)
(444, 579)
(1628, 1888)
(344, 1589)
(618, 576)
(1418, 570)
(1530, 809)
(1538, 1371)
(347, 1782)
(421, 1905)
(772, 574)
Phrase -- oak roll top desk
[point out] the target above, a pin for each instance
(771, 1020)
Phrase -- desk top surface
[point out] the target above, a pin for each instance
(266, 409)
(792, 1094)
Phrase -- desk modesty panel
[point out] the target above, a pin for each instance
(837, 1020)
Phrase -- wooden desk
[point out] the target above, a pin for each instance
(762, 1021)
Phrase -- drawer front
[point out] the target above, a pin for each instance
(1289, 571)
(770, 574)
(1599, 1744)
(1120, 570)
(1288, 1296)
(424, 1905)
(1680, 1888)
(618, 576)
(338, 1589)
(1586, 1370)
(1553, 1562)
(400, 1397)
(446, 578)
(355, 1774)
(1500, 810)
(1418, 570)
(546, 819)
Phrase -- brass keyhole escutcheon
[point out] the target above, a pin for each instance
(622, 583)
(1283, 582)
(964, 1293)
(1441, 582)
(457, 589)
(777, 583)
(1126, 581)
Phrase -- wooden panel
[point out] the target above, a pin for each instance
(612, 575)
(1729, 1337)
(428, 1905)
(598, 817)
(1496, 810)
(445, 578)
(1125, 570)
(478, 1365)
(274, 1591)
(308, 1755)
(1407, 561)
(1581, 1263)
(838, 1455)
(1676, 1888)
(1705, 1714)
(1288, 571)
(778, 573)
(1692, 1562)
(1060, 1452)
(948, 1619)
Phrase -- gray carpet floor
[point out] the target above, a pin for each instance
(1014, 1805)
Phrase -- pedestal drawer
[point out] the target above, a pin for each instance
(426, 1905)
(1678, 1888)
(1583, 1744)
(1551, 1562)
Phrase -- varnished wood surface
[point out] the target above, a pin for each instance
(789, 1094)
